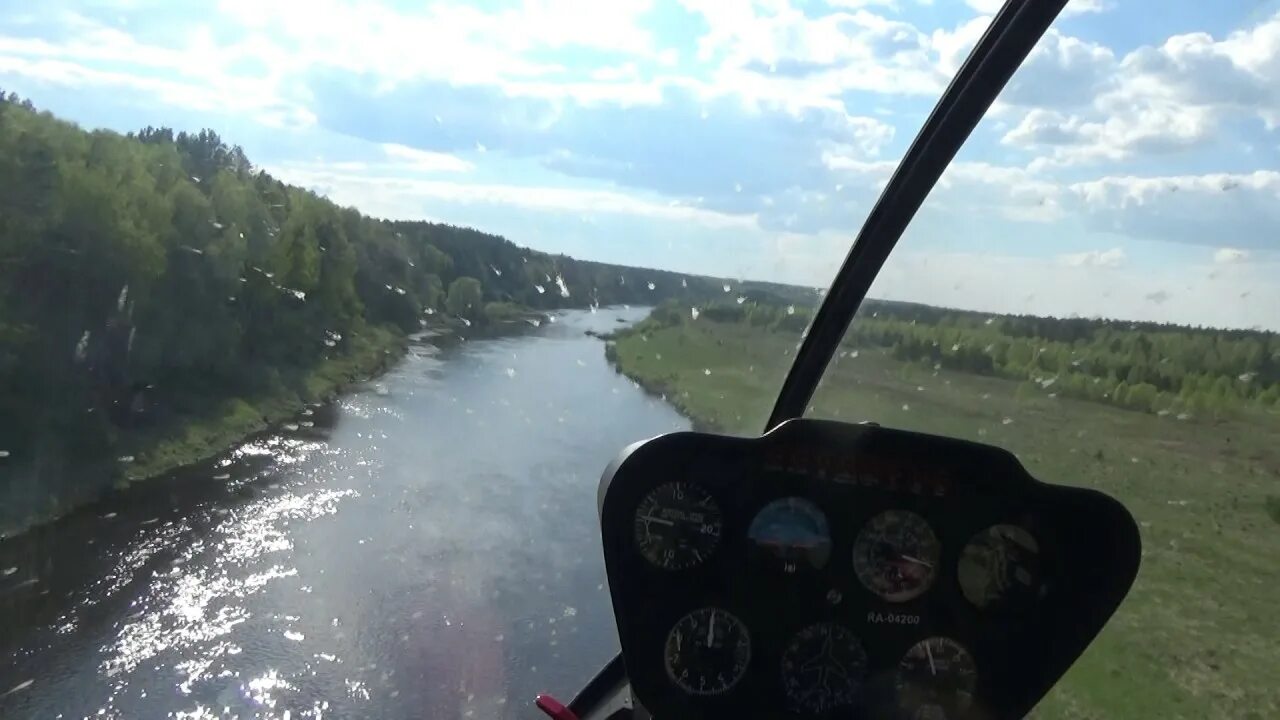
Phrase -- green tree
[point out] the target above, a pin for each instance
(465, 297)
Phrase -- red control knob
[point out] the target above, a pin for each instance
(553, 708)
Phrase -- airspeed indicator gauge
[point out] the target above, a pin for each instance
(677, 526)
(896, 555)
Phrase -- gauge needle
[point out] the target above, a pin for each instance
(916, 560)
(660, 521)
(711, 629)
(932, 670)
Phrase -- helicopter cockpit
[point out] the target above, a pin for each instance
(833, 570)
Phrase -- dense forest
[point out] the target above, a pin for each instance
(1150, 367)
(145, 279)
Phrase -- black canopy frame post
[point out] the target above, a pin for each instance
(1008, 40)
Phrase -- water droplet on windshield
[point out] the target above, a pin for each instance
(853, 353)
(741, 299)
(123, 298)
(726, 287)
(216, 225)
(10, 570)
(905, 407)
(791, 309)
(694, 313)
(564, 289)
(400, 291)
(294, 636)
(4, 454)
(706, 371)
(511, 372)
(540, 289)
(684, 283)
(465, 322)
(82, 346)
(195, 179)
(1007, 421)
(19, 687)
(298, 293)
(651, 285)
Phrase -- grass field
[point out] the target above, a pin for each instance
(1198, 636)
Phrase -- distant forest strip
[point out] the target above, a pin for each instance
(1150, 367)
(150, 277)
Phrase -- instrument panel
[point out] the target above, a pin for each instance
(828, 570)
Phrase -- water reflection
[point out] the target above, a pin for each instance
(425, 551)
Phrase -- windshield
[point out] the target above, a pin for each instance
(1095, 285)
(319, 321)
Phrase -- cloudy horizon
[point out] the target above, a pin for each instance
(1131, 169)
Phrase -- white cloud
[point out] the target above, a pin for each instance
(1114, 257)
(1208, 209)
(1227, 256)
(1089, 107)
(1075, 7)
(986, 7)
(951, 47)
(426, 161)
(1083, 7)
(404, 196)
(774, 50)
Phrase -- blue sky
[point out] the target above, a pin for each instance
(1131, 169)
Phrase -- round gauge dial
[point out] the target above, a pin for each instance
(823, 668)
(896, 555)
(707, 651)
(792, 532)
(936, 679)
(1000, 568)
(677, 525)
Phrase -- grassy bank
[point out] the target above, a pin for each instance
(198, 437)
(1196, 638)
(57, 485)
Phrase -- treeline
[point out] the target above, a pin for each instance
(1150, 367)
(143, 276)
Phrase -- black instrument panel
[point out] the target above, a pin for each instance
(828, 570)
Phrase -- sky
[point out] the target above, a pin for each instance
(1131, 168)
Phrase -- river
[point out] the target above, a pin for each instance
(426, 548)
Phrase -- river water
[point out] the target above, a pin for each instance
(427, 548)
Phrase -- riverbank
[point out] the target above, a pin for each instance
(194, 437)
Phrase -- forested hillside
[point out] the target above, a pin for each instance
(157, 283)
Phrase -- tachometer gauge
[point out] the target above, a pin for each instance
(936, 679)
(1000, 568)
(823, 668)
(896, 555)
(793, 532)
(677, 525)
(707, 651)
